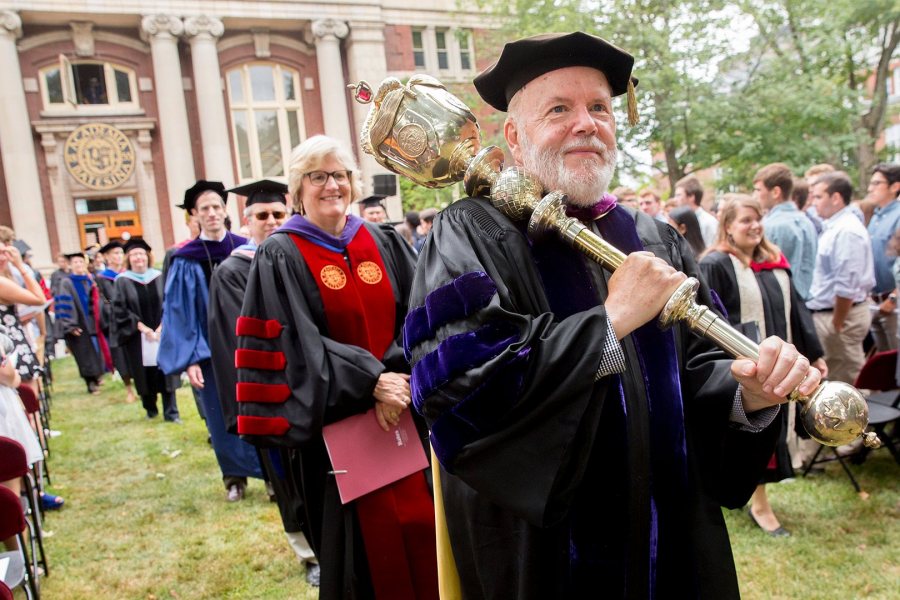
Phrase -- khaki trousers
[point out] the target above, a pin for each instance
(844, 351)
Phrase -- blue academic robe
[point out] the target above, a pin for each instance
(184, 342)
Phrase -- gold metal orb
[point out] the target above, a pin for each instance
(516, 193)
(836, 414)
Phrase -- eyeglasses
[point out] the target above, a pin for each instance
(877, 182)
(264, 215)
(320, 178)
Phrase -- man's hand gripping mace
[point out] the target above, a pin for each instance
(835, 414)
(428, 135)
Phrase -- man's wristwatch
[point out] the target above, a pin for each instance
(892, 298)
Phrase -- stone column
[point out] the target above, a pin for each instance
(162, 32)
(202, 32)
(366, 60)
(332, 87)
(23, 184)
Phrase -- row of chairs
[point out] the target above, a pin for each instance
(19, 514)
(22, 517)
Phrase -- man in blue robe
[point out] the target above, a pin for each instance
(184, 343)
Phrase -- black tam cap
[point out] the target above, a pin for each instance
(526, 59)
(111, 245)
(72, 255)
(191, 194)
(371, 201)
(22, 246)
(136, 243)
(263, 191)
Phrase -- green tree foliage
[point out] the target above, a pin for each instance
(734, 86)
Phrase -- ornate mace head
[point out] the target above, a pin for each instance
(418, 130)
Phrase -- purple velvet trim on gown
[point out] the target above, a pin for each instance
(200, 250)
(477, 415)
(456, 355)
(461, 298)
(717, 303)
(659, 367)
(304, 228)
(606, 204)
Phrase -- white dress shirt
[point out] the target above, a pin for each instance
(844, 263)
(709, 226)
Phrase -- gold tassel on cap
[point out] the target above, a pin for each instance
(632, 104)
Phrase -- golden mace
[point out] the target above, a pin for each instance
(423, 132)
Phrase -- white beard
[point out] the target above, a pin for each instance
(585, 186)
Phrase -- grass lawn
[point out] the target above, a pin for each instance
(145, 514)
(146, 518)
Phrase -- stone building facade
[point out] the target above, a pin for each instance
(109, 109)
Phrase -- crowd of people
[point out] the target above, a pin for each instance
(536, 380)
(803, 258)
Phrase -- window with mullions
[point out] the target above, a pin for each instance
(418, 48)
(443, 57)
(448, 50)
(266, 118)
(69, 85)
(465, 49)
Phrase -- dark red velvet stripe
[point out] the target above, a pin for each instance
(262, 425)
(397, 523)
(258, 328)
(259, 359)
(359, 306)
(263, 392)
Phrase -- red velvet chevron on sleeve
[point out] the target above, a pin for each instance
(262, 425)
(259, 359)
(263, 392)
(266, 329)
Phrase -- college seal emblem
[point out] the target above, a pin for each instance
(369, 272)
(99, 156)
(333, 277)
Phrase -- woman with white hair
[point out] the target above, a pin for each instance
(319, 341)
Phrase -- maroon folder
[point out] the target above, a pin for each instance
(365, 457)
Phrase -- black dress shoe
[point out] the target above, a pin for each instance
(313, 574)
(777, 532)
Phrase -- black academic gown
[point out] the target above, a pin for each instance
(329, 381)
(226, 295)
(546, 483)
(135, 302)
(89, 360)
(718, 269)
(107, 288)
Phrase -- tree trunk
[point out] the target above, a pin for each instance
(674, 169)
(871, 123)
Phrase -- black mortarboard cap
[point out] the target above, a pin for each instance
(190, 194)
(262, 191)
(371, 201)
(72, 255)
(136, 243)
(526, 59)
(22, 246)
(110, 246)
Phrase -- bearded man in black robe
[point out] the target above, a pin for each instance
(584, 452)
